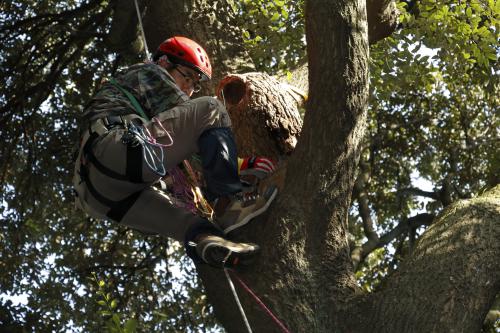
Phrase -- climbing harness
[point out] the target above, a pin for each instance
(139, 18)
(188, 189)
(254, 296)
(141, 146)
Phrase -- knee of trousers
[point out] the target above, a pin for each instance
(212, 112)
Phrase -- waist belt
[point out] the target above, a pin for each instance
(107, 123)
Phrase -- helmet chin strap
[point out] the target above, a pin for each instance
(143, 35)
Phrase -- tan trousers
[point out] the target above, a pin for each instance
(149, 209)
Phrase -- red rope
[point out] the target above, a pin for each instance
(261, 304)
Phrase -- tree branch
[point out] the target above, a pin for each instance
(364, 209)
(361, 252)
(418, 192)
(382, 19)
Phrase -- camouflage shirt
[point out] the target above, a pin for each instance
(150, 84)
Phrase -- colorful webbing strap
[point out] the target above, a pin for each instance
(201, 204)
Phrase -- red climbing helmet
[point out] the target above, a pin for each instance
(186, 52)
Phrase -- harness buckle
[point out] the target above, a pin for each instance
(111, 122)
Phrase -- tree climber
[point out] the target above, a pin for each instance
(143, 123)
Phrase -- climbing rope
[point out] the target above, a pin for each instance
(139, 18)
(236, 298)
(255, 297)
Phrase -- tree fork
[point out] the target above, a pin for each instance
(305, 272)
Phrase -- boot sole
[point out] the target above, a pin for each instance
(235, 255)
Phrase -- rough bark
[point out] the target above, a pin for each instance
(382, 21)
(123, 36)
(451, 280)
(212, 23)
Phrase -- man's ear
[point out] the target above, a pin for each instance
(165, 63)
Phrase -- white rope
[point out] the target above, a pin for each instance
(148, 55)
(231, 285)
(223, 97)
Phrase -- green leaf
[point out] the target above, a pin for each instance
(468, 11)
(101, 302)
(284, 13)
(130, 326)
(491, 56)
(275, 17)
(116, 320)
(114, 303)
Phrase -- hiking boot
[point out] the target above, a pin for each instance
(244, 207)
(219, 252)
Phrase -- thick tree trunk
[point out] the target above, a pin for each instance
(382, 21)
(305, 273)
(451, 280)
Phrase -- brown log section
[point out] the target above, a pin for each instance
(264, 114)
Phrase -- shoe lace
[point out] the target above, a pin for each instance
(247, 197)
